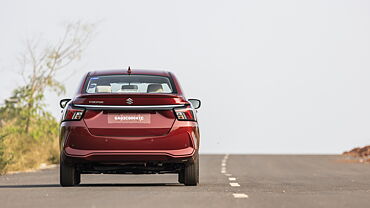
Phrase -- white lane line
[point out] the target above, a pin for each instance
(240, 195)
(234, 184)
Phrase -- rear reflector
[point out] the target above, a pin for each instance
(185, 114)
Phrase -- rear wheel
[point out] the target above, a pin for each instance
(197, 170)
(68, 175)
(77, 179)
(181, 177)
(191, 173)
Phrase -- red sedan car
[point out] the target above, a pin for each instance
(129, 122)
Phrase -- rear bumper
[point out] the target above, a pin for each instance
(78, 145)
(176, 156)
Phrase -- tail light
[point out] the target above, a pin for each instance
(185, 114)
(73, 113)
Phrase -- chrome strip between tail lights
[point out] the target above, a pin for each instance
(130, 107)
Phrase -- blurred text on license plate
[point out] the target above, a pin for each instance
(129, 118)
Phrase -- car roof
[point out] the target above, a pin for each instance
(133, 71)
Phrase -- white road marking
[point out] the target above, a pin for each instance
(240, 195)
(223, 170)
(234, 184)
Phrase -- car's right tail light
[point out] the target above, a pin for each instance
(73, 113)
(185, 114)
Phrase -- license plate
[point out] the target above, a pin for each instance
(129, 118)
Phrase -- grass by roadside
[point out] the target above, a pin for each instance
(22, 151)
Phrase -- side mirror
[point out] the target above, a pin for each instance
(64, 102)
(195, 102)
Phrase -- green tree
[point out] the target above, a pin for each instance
(23, 118)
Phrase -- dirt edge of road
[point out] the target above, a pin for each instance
(358, 154)
(43, 166)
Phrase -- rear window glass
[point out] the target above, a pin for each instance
(129, 84)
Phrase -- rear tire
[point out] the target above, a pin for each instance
(77, 178)
(68, 175)
(191, 173)
(197, 170)
(181, 177)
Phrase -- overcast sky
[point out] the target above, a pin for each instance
(274, 76)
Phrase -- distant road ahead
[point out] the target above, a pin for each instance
(226, 181)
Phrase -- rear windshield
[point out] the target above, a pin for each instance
(129, 84)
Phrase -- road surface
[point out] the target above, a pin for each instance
(226, 181)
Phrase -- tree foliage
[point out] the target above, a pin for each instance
(24, 122)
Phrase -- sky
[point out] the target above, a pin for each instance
(273, 76)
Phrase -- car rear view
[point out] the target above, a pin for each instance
(129, 122)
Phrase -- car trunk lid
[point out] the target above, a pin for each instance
(129, 115)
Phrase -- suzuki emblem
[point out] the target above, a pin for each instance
(129, 101)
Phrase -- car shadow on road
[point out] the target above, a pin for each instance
(30, 186)
(92, 185)
(127, 184)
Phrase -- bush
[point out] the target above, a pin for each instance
(22, 151)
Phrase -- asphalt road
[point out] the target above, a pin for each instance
(226, 181)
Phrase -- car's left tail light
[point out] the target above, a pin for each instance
(73, 113)
(185, 114)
